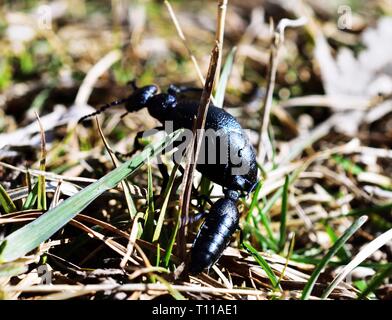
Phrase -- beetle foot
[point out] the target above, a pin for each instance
(192, 219)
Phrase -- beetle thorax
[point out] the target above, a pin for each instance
(160, 106)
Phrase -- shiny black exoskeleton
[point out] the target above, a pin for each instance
(237, 173)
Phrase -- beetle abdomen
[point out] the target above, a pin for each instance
(214, 235)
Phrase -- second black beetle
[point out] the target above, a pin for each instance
(236, 172)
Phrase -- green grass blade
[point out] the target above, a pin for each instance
(41, 196)
(172, 240)
(270, 203)
(31, 198)
(271, 275)
(267, 224)
(342, 253)
(31, 235)
(248, 228)
(149, 225)
(347, 164)
(224, 78)
(150, 187)
(278, 193)
(39, 100)
(6, 202)
(337, 245)
(158, 228)
(359, 284)
(128, 199)
(253, 204)
(376, 281)
(173, 236)
(283, 214)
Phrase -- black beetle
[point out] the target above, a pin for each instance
(223, 218)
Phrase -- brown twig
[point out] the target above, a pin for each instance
(220, 31)
(185, 42)
(195, 147)
(124, 183)
(42, 164)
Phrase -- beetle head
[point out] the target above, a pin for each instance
(140, 98)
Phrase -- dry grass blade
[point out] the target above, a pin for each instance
(289, 253)
(48, 175)
(115, 246)
(12, 269)
(56, 196)
(367, 251)
(283, 213)
(133, 287)
(182, 37)
(132, 239)
(174, 292)
(224, 78)
(12, 218)
(264, 143)
(92, 76)
(220, 32)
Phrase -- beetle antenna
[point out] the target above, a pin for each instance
(103, 108)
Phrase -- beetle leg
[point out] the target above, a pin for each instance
(204, 197)
(124, 115)
(192, 219)
(174, 90)
(136, 144)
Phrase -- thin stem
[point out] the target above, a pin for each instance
(264, 143)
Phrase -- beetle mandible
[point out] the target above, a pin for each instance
(223, 219)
